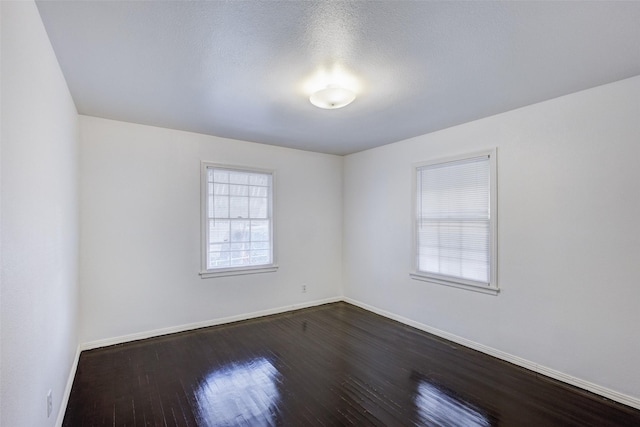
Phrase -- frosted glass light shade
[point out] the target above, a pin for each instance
(332, 97)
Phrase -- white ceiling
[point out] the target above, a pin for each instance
(240, 69)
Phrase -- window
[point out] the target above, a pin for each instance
(455, 222)
(237, 216)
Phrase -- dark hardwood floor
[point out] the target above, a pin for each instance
(332, 365)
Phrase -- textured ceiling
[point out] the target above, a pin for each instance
(243, 70)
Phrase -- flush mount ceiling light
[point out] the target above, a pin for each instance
(332, 97)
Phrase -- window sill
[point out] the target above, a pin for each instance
(484, 289)
(209, 274)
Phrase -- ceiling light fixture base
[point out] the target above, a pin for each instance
(332, 97)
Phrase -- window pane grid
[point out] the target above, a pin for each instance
(238, 218)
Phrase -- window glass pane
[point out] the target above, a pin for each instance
(260, 231)
(239, 190)
(238, 177)
(240, 231)
(219, 247)
(259, 245)
(218, 260)
(221, 207)
(258, 207)
(260, 257)
(209, 206)
(258, 191)
(241, 246)
(259, 179)
(221, 189)
(456, 190)
(219, 231)
(239, 258)
(239, 207)
(220, 175)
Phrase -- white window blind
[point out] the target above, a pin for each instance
(453, 220)
(239, 227)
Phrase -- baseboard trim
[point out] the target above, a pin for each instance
(67, 390)
(197, 325)
(519, 361)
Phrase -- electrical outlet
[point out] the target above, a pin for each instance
(49, 403)
(304, 288)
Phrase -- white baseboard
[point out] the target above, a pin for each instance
(190, 326)
(543, 370)
(67, 390)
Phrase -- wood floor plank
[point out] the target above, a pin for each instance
(332, 365)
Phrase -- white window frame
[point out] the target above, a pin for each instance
(487, 288)
(206, 272)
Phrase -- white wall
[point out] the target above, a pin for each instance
(140, 229)
(39, 222)
(569, 235)
(1, 138)
(569, 244)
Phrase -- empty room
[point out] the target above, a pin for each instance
(319, 213)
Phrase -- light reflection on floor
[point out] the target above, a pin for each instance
(438, 408)
(240, 394)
